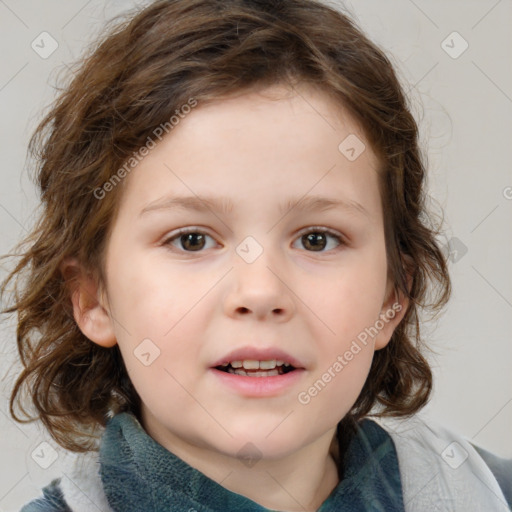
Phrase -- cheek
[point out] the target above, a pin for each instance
(351, 300)
(153, 302)
(149, 298)
(333, 389)
(349, 306)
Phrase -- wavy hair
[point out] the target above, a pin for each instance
(132, 81)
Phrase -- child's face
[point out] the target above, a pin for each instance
(200, 299)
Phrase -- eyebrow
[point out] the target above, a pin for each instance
(224, 205)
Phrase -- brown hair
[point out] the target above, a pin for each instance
(132, 82)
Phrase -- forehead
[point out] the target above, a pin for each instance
(260, 143)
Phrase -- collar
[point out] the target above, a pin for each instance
(140, 474)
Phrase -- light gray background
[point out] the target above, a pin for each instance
(464, 106)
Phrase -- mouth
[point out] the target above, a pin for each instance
(255, 368)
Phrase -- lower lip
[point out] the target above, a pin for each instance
(259, 386)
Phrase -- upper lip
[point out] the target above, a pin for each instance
(258, 354)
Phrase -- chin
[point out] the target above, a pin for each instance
(258, 443)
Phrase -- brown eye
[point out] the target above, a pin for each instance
(188, 241)
(192, 241)
(316, 240)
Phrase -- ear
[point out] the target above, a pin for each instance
(394, 308)
(90, 308)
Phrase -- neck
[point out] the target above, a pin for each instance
(300, 481)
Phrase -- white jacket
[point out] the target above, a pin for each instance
(442, 471)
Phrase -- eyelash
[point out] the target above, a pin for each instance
(314, 229)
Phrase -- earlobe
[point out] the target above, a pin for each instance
(390, 316)
(89, 310)
(393, 310)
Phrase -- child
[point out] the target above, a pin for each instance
(238, 372)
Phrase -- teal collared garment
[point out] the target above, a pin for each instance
(139, 475)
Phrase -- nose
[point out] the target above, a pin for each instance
(259, 291)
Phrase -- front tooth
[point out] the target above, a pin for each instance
(266, 373)
(236, 364)
(250, 364)
(270, 373)
(268, 365)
